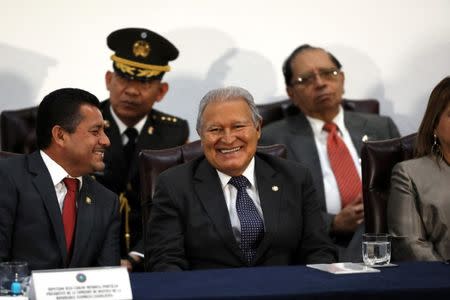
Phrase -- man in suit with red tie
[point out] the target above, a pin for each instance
(327, 140)
(234, 207)
(52, 214)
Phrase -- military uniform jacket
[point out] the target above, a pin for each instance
(160, 131)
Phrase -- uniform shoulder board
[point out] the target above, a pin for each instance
(161, 117)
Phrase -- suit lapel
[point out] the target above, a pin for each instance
(145, 140)
(209, 191)
(305, 151)
(356, 127)
(270, 189)
(114, 153)
(43, 183)
(148, 137)
(85, 220)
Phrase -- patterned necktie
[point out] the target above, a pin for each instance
(252, 226)
(342, 165)
(129, 147)
(69, 212)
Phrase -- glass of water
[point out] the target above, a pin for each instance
(376, 249)
(14, 278)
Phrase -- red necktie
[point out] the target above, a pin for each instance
(69, 212)
(343, 166)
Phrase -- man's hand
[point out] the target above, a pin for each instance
(132, 260)
(127, 264)
(350, 217)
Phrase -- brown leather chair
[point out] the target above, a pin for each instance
(18, 130)
(377, 159)
(18, 127)
(153, 162)
(5, 154)
(278, 110)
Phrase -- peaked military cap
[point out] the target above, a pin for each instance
(140, 54)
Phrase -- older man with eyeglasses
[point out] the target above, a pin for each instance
(327, 140)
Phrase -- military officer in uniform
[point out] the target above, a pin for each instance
(140, 61)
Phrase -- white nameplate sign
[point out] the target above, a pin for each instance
(92, 283)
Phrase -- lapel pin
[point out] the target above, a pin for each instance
(275, 188)
(365, 138)
(129, 187)
(150, 130)
(88, 200)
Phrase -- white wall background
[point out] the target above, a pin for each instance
(393, 50)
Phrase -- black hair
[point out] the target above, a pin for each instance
(61, 107)
(287, 68)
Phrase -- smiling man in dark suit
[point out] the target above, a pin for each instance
(42, 220)
(315, 83)
(234, 207)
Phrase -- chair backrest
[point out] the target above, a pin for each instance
(18, 130)
(278, 110)
(377, 159)
(5, 154)
(18, 127)
(153, 162)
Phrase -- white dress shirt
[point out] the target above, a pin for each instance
(57, 173)
(122, 127)
(332, 196)
(230, 194)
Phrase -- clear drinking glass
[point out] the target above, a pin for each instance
(376, 249)
(14, 278)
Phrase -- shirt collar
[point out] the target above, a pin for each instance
(57, 173)
(122, 127)
(249, 173)
(317, 124)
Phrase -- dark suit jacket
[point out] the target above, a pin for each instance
(160, 131)
(31, 227)
(189, 226)
(296, 133)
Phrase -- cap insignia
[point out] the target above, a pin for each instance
(129, 186)
(141, 48)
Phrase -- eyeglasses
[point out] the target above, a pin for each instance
(324, 74)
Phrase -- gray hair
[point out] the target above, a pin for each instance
(225, 94)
